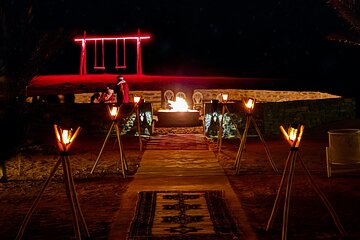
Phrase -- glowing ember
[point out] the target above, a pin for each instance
(179, 105)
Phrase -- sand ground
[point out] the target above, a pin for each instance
(256, 186)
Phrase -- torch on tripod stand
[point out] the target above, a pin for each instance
(249, 108)
(65, 138)
(114, 114)
(293, 137)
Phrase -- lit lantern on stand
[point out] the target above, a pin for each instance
(113, 111)
(137, 101)
(65, 138)
(293, 137)
(249, 109)
(224, 101)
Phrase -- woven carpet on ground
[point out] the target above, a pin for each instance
(174, 215)
(177, 142)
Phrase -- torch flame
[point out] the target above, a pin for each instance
(225, 97)
(293, 135)
(137, 99)
(66, 136)
(113, 111)
(250, 104)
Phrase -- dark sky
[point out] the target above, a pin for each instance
(260, 38)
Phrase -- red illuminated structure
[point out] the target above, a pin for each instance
(85, 40)
(85, 82)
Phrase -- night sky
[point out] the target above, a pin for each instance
(261, 38)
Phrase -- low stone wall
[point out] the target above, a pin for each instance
(311, 113)
(153, 97)
(269, 116)
(263, 95)
(273, 108)
(158, 101)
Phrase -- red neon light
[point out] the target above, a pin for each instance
(111, 38)
(84, 40)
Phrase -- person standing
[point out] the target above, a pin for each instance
(122, 91)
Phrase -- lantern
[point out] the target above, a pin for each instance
(65, 137)
(224, 97)
(137, 99)
(293, 134)
(249, 105)
(113, 111)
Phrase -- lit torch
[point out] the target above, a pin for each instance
(293, 135)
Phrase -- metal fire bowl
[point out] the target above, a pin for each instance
(167, 118)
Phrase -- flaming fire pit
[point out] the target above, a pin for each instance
(178, 116)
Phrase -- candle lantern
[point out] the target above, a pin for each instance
(249, 106)
(64, 137)
(113, 111)
(293, 136)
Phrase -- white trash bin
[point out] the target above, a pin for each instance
(344, 148)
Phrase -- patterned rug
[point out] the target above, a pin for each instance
(166, 215)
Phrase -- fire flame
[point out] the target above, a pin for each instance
(293, 135)
(113, 111)
(179, 105)
(250, 104)
(66, 136)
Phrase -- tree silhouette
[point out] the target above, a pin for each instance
(349, 10)
(25, 47)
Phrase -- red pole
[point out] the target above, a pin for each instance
(139, 62)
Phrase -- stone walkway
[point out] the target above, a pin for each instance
(177, 162)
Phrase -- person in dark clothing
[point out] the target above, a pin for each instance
(121, 90)
(95, 98)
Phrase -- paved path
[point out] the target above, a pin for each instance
(177, 162)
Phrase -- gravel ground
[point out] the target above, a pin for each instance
(99, 193)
